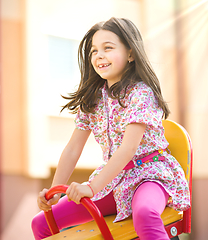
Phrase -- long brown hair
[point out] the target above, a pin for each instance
(139, 70)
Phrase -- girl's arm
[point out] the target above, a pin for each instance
(66, 165)
(131, 140)
(70, 156)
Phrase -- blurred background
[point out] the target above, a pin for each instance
(38, 56)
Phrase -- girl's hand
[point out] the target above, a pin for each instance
(77, 191)
(44, 204)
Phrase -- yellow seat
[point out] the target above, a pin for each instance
(175, 222)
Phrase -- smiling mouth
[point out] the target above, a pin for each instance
(103, 65)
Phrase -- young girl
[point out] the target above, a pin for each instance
(119, 99)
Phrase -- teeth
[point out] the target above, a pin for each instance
(103, 65)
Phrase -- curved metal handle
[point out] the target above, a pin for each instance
(88, 204)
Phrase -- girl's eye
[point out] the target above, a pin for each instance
(93, 51)
(108, 47)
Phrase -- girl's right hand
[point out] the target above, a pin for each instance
(44, 204)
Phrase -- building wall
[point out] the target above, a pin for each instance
(13, 87)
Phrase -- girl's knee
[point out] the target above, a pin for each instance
(40, 227)
(35, 224)
(145, 214)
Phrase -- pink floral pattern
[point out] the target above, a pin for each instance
(108, 123)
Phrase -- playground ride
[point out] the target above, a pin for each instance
(103, 227)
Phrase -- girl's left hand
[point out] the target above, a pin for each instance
(76, 191)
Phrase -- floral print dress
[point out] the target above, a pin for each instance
(108, 123)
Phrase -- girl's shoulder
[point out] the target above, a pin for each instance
(140, 88)
(141, 93)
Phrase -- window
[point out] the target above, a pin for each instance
(64, 75)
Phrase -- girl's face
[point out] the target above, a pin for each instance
(109, 56)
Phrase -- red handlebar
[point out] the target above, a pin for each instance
(88, 204)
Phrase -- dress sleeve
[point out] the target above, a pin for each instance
(143, 108)
(82, 120)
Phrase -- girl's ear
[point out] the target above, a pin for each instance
(131, 57)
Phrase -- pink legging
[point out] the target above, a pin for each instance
(148, 203)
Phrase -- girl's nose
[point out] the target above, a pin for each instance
(100, 55)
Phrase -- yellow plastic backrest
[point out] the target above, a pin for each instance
(179, 144)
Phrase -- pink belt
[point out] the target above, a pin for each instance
(153, 157)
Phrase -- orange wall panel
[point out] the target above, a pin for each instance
(12, 96)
